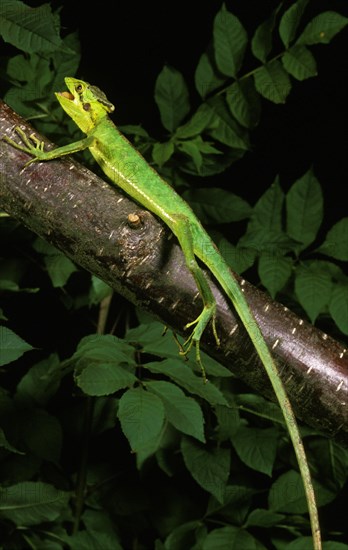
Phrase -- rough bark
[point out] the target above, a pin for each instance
(88, 219)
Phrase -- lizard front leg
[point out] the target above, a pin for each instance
(33, 146)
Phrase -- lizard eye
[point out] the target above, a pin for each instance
(79, 88)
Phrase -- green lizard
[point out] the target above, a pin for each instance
(126, 168)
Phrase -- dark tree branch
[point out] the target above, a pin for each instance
(88, 220)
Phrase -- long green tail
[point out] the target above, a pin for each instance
(221, 271)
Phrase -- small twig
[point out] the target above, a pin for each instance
(104, 308)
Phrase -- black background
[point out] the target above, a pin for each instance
(125, 45)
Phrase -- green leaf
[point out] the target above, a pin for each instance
(192, 150)
(274, 271)
(259, 406)
(261, 42)
(210, 469)
(231, 538)
(4, 444)
(214, 205)
(230, 41)
(98, 291)
(206, 79)
(103, 363)
(66, 60)
(197, 123)
(32, 502)
(263, 518)
(7, 406)
(90, 540)
(181, 411)
(301, 543)
(224, 128)
(59, 268)
(41, 433)
(227, 132)
(313, 290)
(153, 446)
(44, 247)
(104, 379)
(244, 102)
(323, 28)
(272, 82)
(31, 98)
(287, 494)
(106, 348)
(306, 543)
(267, 212)
(40, 382)
(20, 68)
(304, 208)
(334, 545)
(260, 239)
(336, 242)
(183, 536)
(290, 21)
(134, 130)
(213, 165)
(104, 417)
(300, 63)
(238, 258)
(141, 415)
(338, 307)
(236, 497)
(199, 157)
(97, 521)
(2, 315)
(331, 461)
(152, 340)
(162, 152)
(257, 448)
(206, 147)
(228, 422)
(29, 29)
(183, 376)
(11, 346)
(12, 286)
(11, 271)
(172, 97)
(8, 285)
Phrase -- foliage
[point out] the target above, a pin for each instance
(173, 463)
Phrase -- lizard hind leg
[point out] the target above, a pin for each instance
(207, 314)
(183, 232)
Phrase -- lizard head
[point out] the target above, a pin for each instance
(84, 103)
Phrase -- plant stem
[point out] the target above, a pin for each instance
(103, 313)
(82, 473)
(87, 428)
(249, 73)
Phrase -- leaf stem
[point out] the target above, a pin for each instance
(250, 73)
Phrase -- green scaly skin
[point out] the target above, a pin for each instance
(126, 168)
